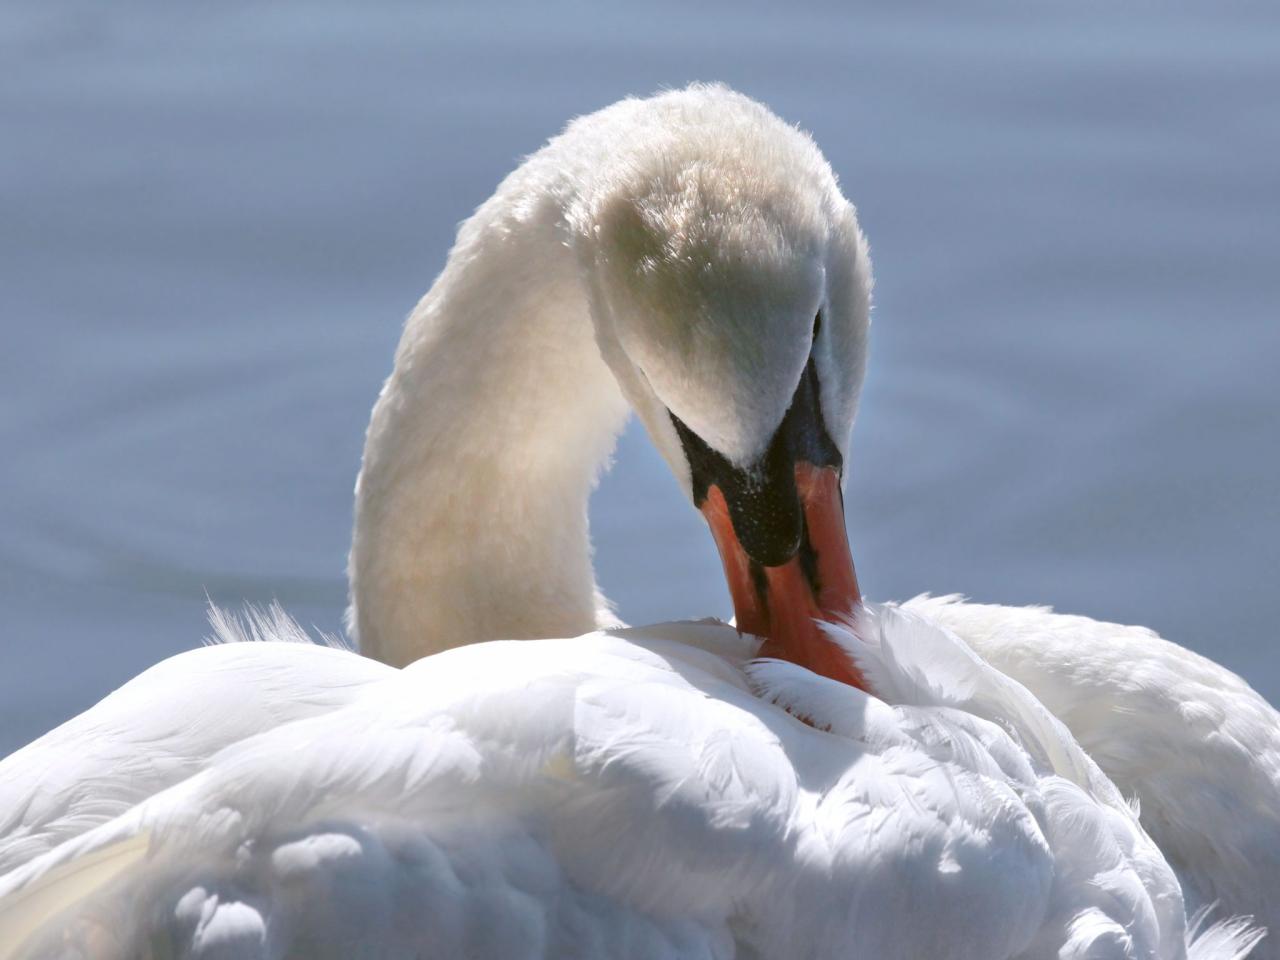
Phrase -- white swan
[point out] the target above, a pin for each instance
(641, 792)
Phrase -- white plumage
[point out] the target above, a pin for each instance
(651, 792)
(1193, 744)
(636, 793)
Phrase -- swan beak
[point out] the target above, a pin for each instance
(779, 525)
(784, 602)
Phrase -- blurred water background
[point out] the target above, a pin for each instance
(213, 218)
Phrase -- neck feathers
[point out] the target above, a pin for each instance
(485, 443)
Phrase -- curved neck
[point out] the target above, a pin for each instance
(485, 443)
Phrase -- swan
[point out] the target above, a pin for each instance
(931, 778)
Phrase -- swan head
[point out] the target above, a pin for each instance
(730, 292)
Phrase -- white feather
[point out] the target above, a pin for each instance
(1191, 742)
(638, 793)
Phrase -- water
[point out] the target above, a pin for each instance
(213, 219)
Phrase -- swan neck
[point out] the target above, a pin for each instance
(484, 446)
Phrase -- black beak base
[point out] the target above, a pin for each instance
(764, 504)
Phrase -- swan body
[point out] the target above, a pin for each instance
(1195, 746)
(631, 793)
(675, 790)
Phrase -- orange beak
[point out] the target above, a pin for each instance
(779, 524)
(783, 603)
